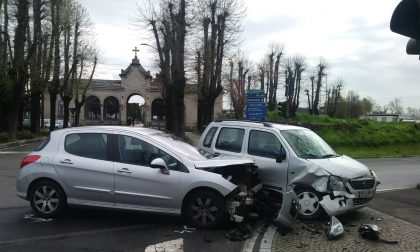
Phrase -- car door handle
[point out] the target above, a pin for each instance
(124, 170)
(66, 161)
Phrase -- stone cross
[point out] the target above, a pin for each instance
(135, 52)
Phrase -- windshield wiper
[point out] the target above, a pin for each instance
(306, 156)
(329, 156)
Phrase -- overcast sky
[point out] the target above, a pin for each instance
(352, 36)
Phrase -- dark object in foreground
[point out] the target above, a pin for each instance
(371, 232)
(335, 230)
(241, 232)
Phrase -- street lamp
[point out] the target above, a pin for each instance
(145, 44)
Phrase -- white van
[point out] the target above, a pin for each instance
(295, 158)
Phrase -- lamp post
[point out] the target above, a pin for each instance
(145, 44)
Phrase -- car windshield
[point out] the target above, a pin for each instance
(179, 146)
(307, 144)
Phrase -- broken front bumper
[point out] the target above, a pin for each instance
(361, 192)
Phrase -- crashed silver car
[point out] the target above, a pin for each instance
(291, 158)
(137, 169)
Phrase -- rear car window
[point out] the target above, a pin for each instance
(209, 137)
(43, 144)
(89, 145)
(230, 139)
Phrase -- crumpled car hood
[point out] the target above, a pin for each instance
(343, 166)
(221, 162)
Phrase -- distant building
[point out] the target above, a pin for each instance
(382, 117)
(107, 100)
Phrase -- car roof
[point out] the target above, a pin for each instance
(143, 131)
(261, 125)
(176, 144)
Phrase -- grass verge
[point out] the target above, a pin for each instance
(394, 150)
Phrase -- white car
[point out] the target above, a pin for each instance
(294, 158)
(133, 168)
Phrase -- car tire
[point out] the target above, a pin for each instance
(309, 206)
(205, 209)
(47, 199)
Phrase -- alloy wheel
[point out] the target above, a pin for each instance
(46, 199)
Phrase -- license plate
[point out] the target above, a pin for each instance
(366, 194)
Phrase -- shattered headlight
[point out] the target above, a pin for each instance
(336, 184)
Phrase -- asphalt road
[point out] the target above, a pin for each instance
(395, 172)
(105, 230)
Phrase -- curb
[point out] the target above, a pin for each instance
(18, 143)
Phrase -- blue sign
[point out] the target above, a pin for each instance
(255, 100)
(255, 106)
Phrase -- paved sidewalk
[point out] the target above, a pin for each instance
(21, 142)
(301, 239)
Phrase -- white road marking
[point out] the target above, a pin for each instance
(168, 246)
(250, 242)
(267, 240)
(396, 189)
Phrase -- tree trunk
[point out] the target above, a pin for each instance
(35, 111)
(20, 76)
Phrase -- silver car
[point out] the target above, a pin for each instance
(133, 168)
(294, 158)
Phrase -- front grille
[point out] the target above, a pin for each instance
(361, 201)
(362, 184)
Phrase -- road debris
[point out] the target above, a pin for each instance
(185, 230)
(372, 232)
(33, 218)
(335, 229)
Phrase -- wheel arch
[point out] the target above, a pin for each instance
(37, 180)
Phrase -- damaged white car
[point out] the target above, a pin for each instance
(291, 158)
(138, 169)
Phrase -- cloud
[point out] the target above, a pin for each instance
(353, 37)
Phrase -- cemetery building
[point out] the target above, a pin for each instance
(107, 100)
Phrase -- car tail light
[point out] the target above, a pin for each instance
(29, 159)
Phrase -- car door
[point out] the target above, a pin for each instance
(263, 147)
(137, 185)
(84, 165)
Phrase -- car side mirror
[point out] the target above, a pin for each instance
(280, 156)
(159, 163)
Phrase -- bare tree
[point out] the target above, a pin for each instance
(311, 93)
(81, 84)
(322, 66)
(75, 35)
(274, 57)
(412, 110)
(17, 74)
(396, 106)
(353, 104)
(169, 30)
(236, 86)
(294, 70)
(218, 22)
(54, 85)
(333, 95)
